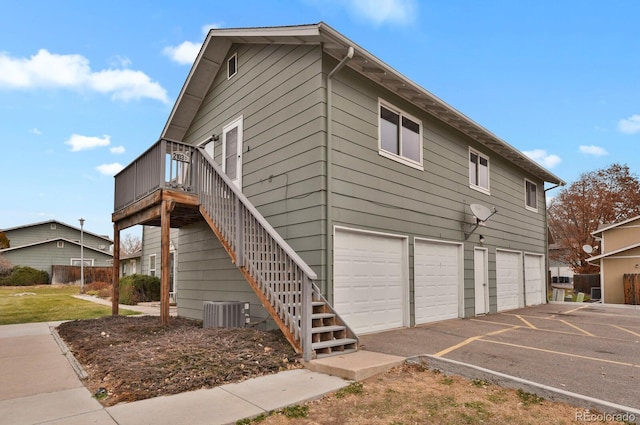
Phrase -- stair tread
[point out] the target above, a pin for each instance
(335, 353)
(322, 315)
(317, 303)
(333, 343)
(331, 328)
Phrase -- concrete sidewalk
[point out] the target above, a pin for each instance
(39, 386)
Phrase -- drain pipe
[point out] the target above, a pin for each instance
(329, 174)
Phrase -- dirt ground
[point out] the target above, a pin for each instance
(134, 358)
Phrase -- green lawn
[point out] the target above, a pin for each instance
(45, 303)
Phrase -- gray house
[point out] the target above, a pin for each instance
(44, 244)
(311, 179)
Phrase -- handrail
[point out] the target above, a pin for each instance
(263, 221)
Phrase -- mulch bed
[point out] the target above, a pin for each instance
(135, 358)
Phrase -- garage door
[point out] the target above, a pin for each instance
(509, 280)
(534, 281)
(370, 280)
(437, 273)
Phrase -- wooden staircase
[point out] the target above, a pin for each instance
(329, 335)
(283, 282)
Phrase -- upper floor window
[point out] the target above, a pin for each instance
(478, 171)
(232, 66)
(400, 136)
(531, 195)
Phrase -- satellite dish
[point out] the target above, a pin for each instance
(481, 212)
(587, 248)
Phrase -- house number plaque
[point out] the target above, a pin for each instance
(180, 156)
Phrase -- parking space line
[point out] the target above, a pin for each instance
(576, 328)
(470, 340)
(575, 309)
(526, 321)
(626, 330)
(560, 353)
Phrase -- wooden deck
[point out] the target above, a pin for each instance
(183, 210)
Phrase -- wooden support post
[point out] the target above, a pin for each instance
(115, 278)
(165, 242)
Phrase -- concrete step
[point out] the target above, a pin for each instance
(355, 366)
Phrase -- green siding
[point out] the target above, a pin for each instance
(280, 91)
(376, 193)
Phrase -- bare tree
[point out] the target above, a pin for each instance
(130, 244)
(5, 266)
(598, 197)
(4, 241)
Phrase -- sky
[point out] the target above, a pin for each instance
(87, 86)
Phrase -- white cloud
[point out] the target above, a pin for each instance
(110, 169)
(35, 131)
(630, 125)
(542, 157)
(50, 70)
(117, 149)
(593, 150)
(82, 143)
(184, 54)
(385, 11)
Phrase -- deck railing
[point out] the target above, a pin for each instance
(166, 164)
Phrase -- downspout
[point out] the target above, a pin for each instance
(329, 175)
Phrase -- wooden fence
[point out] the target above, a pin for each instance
(71, 274)
(584, 282)
(631, 284)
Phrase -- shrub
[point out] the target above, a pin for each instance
(99, 289)
(24, 276)
(138, 288)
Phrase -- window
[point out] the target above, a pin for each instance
(531, 191)
(152, 265)
(88, 262)
(232, 66)
(60, 244)
(400, 136)
(478, 171)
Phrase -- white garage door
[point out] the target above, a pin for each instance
(437, 273)
(534, 281)
(370, 280)
(509, 280)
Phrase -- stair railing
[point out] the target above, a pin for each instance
(284, 279)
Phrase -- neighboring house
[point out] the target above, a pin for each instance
(366, 177)
(559, 271)
(150, 256)
(620, 254)
(44, 244)
(131, 264)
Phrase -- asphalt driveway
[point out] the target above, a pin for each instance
(588, 349)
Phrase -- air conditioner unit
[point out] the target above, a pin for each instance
(225, 314)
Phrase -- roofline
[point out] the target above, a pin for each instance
(15, 248)
(24, 226)
(614, 225)
(335, 44)
(614, 252)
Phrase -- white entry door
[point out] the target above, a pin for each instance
(232, 151)
(481, 280)
(438, 272)
(534, 279)
(370, 280)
